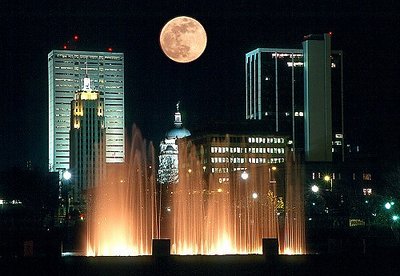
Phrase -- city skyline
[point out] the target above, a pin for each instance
(211, 88)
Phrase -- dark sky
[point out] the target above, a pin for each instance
(212, 87)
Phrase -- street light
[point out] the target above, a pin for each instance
(244, 175)
(66, 180)
(395, 217)
(388, 205)
(314, 188)
(328, 178)
(67, 175)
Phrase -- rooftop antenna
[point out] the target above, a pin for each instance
(178, 116)
(86, 79)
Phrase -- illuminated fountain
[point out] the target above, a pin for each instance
(295, 241)
(206, 215)
(210, 216)
(121, 219)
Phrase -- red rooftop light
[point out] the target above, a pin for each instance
(65, 46)
(76, 37)
(110, 49)
(330, 33)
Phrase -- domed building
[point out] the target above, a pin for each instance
(168, 158)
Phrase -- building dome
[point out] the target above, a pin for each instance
(177, 133)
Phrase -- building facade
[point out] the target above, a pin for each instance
(279, 87)
(66, 70)
(168, 158)
(87, 141)
(228, 153)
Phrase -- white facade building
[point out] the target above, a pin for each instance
(168, 158)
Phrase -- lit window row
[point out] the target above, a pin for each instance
(246, 150)
(220, 170)
(290, 55)
(252, 160)
(257, 160)
(299, 114)
(268, 140)
(227, 160)
(295, 64)
(64, 79)
(276, 160)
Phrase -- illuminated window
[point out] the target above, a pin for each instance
(367, 176)
(367, 191)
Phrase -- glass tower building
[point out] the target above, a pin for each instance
(66, 71)
(276, 89)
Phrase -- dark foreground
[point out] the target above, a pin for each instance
(384, 263)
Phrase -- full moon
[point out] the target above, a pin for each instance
(183, 39)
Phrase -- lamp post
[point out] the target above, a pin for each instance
(271, 175)
(244, 176)
(66, 176)
(329, 179)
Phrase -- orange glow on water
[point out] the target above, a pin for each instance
(212, 218)
(202, 215)
(121, 217)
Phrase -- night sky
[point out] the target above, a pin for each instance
(210, 88)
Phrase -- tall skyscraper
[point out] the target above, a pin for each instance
(317, 98)
(277, 83)
(87, 141)
(66, 71)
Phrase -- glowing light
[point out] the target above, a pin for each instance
(244, 175)
(327, 178)
(388, 205)
(314, 188)
(273, 168)
(76, 37)
(288, 251)
(67, 175)
(219, 190)
(395, 217)
(89, 96)
(254, 195)
(110, 49)
(65, 47)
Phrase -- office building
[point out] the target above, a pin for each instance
(87, 141)
(227, 148)
(66, 70)
(283, 89)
